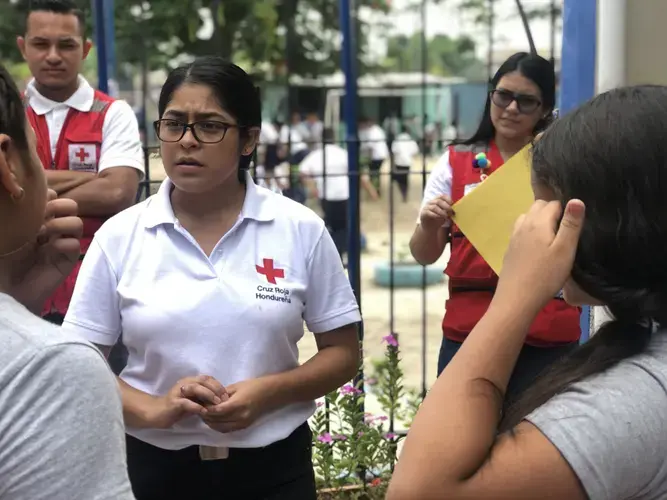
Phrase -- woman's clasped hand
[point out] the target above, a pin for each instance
(540, 255)
(224, 409)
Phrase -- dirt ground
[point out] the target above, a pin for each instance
(419, 339)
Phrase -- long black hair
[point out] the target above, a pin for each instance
(611, 154)
(536, 69)
(233, 88)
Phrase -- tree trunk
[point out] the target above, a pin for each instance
(223, 36)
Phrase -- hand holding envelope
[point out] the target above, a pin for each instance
(487, 214)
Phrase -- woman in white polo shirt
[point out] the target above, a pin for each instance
(210, 281)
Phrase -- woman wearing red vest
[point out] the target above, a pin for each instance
(519, 106)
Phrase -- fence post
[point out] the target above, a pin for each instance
(350, 106)
(104, 31)
(578, 75)
(348, 60)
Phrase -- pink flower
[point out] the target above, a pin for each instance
(320, 404)
(325, 438)
(361, 433)
(349, 389)
(390, 340)
(390, 435)
(340, 437)
(372, 381)
(371, 419)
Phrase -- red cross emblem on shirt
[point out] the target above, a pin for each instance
(82, 155)
(269, 271)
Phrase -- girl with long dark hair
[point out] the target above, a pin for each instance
(593, 425)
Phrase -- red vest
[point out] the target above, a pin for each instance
(78, 148)
(471, 280)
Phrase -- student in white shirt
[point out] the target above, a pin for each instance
(293, 149)
(404, 148)
(313, 128)
(374, 143)
(210, 282)
(325, 171)
(294, 145)
(268, 146)
(328, 168)
(61, 427)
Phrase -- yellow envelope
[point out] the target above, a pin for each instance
(486, 215)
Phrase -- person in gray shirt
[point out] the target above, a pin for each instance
(61, 425)
(594, 425)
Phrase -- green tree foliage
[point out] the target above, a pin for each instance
(445, 56)
(259, 33)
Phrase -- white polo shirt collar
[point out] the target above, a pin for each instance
(81, 100)
(257, 205)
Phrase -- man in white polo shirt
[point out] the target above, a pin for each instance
(88, 142)
(325, 172)
(374, 146)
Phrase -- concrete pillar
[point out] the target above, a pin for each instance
(645, 41)
(611, 45)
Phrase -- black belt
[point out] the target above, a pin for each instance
(458, 289)
(489, 289)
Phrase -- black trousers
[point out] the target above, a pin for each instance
(117, 357)
(401, 176)
(335, 218)
(374, 173)
(280, 471)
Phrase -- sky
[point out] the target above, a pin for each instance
(446, 19)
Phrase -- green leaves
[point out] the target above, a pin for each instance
(252, 32)
(445, 56)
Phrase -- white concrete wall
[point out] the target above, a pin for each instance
(631, 42)
(610, 70)
(645, 41)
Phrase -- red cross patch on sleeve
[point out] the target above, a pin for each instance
(83, 157)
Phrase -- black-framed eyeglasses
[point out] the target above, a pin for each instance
(525, 103)
(204, 131)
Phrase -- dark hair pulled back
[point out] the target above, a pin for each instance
(233, 88)
(611, 154)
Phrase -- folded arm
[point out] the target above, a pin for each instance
(105, 194)
(62, 181)
(120, 167)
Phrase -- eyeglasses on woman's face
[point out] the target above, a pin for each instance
(204, 131)
(525, 103)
